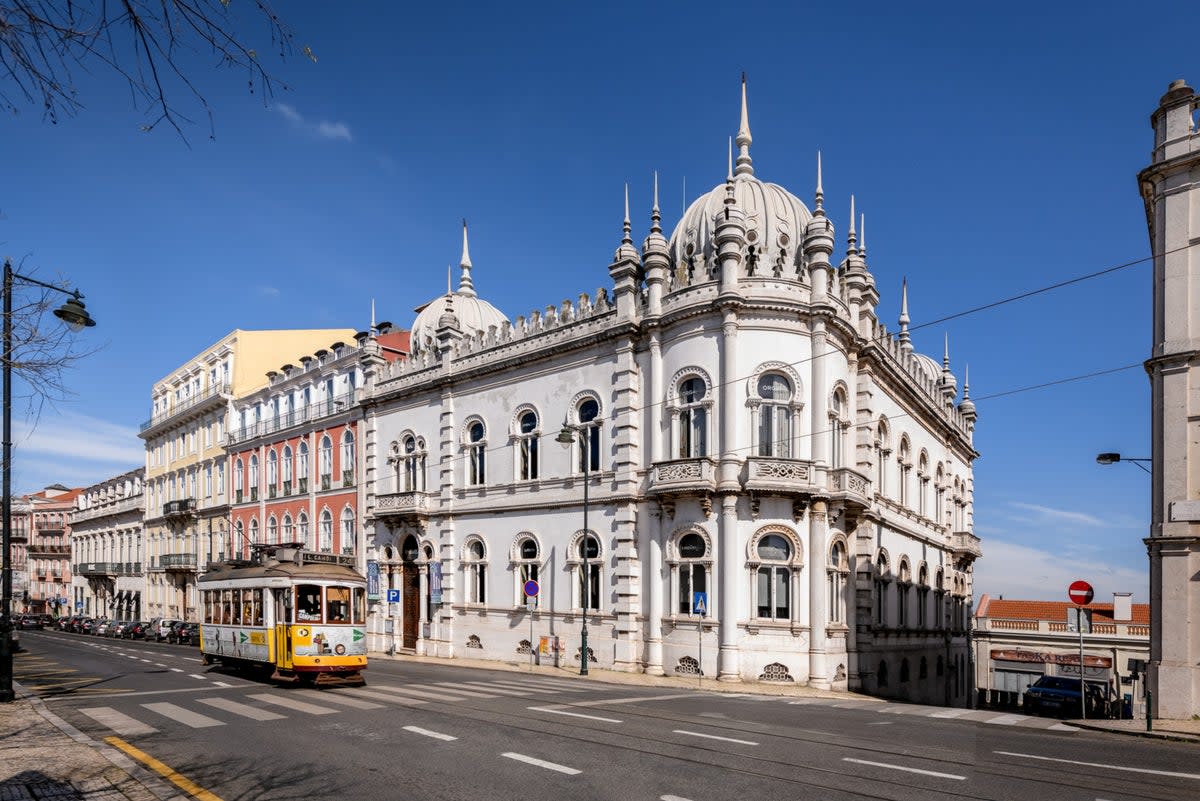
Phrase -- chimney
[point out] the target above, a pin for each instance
(1122, 606)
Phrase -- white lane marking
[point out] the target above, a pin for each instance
(572, 714)
(340, 698)
(437, 735)
(541, 763)
(177, 670)
(237, 708)
(950, 713)
(391, 699)
(184, 716)
(221, 684)
(426, 694)
(497, 690)
(455, 687)
(1062, 727)
(198, 676)
(190, 659)
(1102, 765)
(117, 721)
(714, 737)
(906, 769)
(881, 723)
(607, 701)
(159, 664)
(673, 798)
(1007, 720)
(147, 661)
(289, 703)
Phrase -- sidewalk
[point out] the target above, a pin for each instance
(1180, 730)
(44, 757)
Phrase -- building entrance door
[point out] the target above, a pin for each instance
(410, 609)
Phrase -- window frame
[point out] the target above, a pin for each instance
(788, 569)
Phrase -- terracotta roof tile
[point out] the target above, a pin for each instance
(1057, 610)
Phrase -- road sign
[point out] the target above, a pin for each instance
(1080, 592)
(393, 596)
(700, 604)
(531, 588)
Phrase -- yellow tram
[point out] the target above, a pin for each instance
(299, 614)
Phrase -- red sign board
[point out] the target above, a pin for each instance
(1080, 593)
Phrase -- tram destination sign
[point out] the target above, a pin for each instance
(315, 558)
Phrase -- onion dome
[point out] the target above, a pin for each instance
(473, 314)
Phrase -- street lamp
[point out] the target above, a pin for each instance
(566, 437)
(76, 318)
(1113, 458)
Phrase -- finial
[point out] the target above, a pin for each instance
(744, 164)
(372, 315)
(820, 196)
(904, 338)
(655, 215)
(946, 355)
(729, 196)
(449, 291)
(465, 285)
(966, 382)
(850, 235)
(627, 239)
(862, 235)
(729, 174)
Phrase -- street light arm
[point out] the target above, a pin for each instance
(75, 293)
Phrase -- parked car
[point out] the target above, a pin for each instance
(64, 623)
(101, 627)
(175, 630)
(28, 622)
(85, 625)
(160, 628)
(136, 630)
(117, 628)
(1059, 695)
(189, 634)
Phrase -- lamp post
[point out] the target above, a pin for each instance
(1113, 458)
(76, 317)
(565, 437)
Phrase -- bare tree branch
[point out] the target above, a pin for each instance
(145, 42)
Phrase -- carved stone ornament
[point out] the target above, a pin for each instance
(799, 505)
(785, 470)
(679, 471)
(706, 505)
(668, 508)
(754, 506)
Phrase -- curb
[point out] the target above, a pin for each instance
(1178, 737)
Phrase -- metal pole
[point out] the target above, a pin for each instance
(529, 606)
(699, 648)
(587, 577)
(6, 657)
(1082, 684)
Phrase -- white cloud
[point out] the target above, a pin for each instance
(1047, 513)
(1019, 571)
(79, 437)
(269, 291)
(333, 131)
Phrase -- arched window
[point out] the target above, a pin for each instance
(240, 531)
(526, 564)
(882, 675)
(326, 534)
(939, 601)
(348, 536)
(325, 462)
(272, 529)
(475, 571)
(287, 469)
(691, 570)
(923, 597)
(302, 533)
(272, 473)
(923, 484)
(348, 458)
(476, 454)
(775, 564)
(904, 461)
(903, 592)
(838, 572)
(939, 490)
(254, 531)
(589, 420)
(904, 670)
(692, 426)
(923, 670)
(527, 445)
(253, 477)
(881, 582)
(287, 528)
(838, 422)
(239, 480)
(883, 449)
(587, 581)
(412, 467)
(775, 416)
(302, 466)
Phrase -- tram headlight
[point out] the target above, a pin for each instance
(340, 650)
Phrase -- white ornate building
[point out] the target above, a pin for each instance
(107, 546)
(1170, 188)
(749, 429)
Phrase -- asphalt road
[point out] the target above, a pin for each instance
(436, 731)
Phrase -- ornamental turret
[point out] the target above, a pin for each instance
(818, 242)
(729, 228)
(626, 269)
(655, 257)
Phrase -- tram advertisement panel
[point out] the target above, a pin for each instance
(237, 643)
(328, 641)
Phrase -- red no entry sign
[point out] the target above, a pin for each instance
(1080, 593)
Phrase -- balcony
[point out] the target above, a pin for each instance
(683, 477)
(773, 474)
(302, 485)
(130, 504)
(55, 549)
(98, 569)
(347, 478)
(287, 488)
(966, 546)
(412, 507)
(178, 562)
(849, 484)
(1122, 629)
(197, 404)
(292, 419)
(184, 508)
(50, 527)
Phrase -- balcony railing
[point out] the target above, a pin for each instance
(682, 476)
(308, 414)
(404, 504)
(214, 391)
(99, 569)
(287, 488)
(237, 496)
(130, 504)
(347, 478)
(1026, 626)
(184, 507)
(965, 545)
(326, 482)
(777, 474)
(852, 482)
(302, 485)
(253, 494)
(178, 561)
(36, 548)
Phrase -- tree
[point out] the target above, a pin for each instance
(145, 42)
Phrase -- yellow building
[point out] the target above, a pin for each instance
(187, 500)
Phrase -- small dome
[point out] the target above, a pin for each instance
(775, 223)
(474, 315)
(929, 366)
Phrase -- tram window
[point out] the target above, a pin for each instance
(360, 606)
(248, 607)
(308, 603)
(258, 608)
(226, 606)
(207, 596)
(236, 615)
(338, 604)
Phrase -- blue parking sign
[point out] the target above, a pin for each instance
(393, 596)
(700, 604)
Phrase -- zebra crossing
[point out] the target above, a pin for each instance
(989, 717)
(219, 710)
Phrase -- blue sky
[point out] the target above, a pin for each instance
(992, 151)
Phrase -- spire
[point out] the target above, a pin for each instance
(946, 355)
(466, 286)
(729, 198)
(949, 384)
(627, 239)
(967, 382)
(967, 407)
(862, 235)
(744, 164)
(850, 236)
(905, 339)
(819, 198)
(372, 315)
(655, 214)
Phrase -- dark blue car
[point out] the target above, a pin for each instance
(1059, 695)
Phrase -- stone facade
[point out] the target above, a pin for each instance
(1170, 187)
(739, 422)
(107, 544)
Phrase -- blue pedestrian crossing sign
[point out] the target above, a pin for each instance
(393, 596)
(700, 604)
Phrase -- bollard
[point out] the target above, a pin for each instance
(1149, 710)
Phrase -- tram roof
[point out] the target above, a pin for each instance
(228, 571)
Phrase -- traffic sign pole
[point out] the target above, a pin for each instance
(1081, 594)
(531, 591)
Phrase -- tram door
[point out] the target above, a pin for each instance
(411, 608)
(283, 632)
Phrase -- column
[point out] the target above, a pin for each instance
(654, 583)
(730, 563)
(818, 669)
